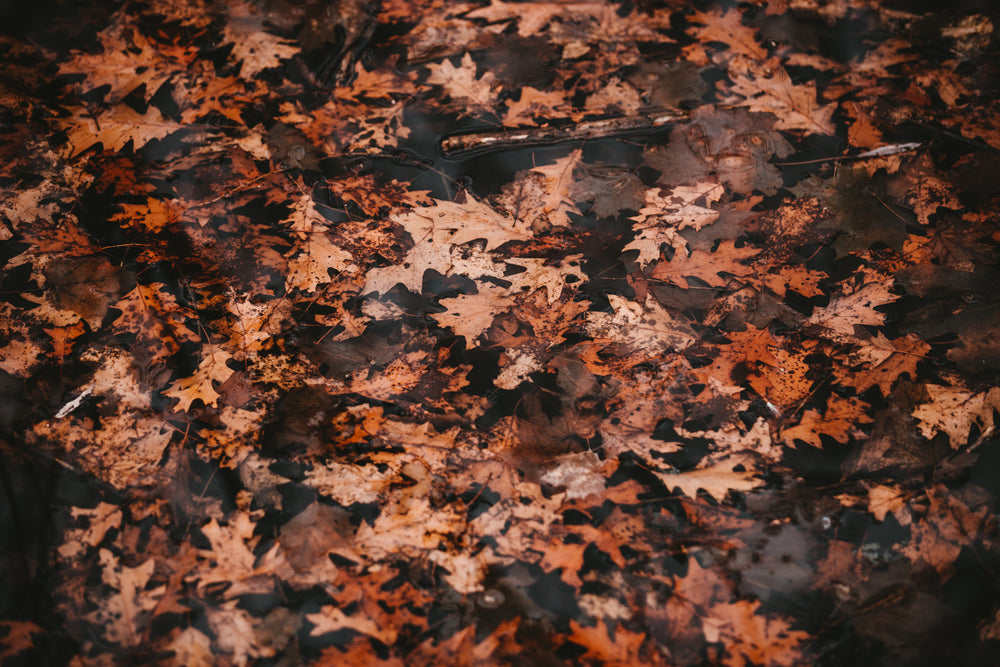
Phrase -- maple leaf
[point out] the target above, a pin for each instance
(767, 87)
(200, 385)
(954, 410)
(461, 84)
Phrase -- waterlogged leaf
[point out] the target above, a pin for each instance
(767, 88)
(716, 480)
(955, 410)
(462, 85)
(114, 129)
(201, 386)
(306, 385)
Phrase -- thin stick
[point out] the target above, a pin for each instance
(463, 145)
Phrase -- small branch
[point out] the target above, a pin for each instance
(464, 145)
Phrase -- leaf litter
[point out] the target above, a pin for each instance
(686, 357)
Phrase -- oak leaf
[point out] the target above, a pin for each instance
(434, 231)
(856, 209)
(333, 619)
(955, 410)
(784, 381)
(664, 215)
(753, 637)
(727, 28)
(128, 60)
(255, 324)
(17, 638)
(717, 480)
(603, 22)
(125, 612)
(950, 526)
(838, 320)
(231, 558)
(152, 314)
(461, 84)
(208, 93)
(235, 633)
(542, 197)
(234, 439)
(880, 362)
(115, 128)
(254, 48)
(200, 385)
(193, 648)
(795, 278)
(469, 315)
(534, 104)
(313, 254)
(648, 328)
(708, 267)
(768, 88)
(839, 420)
(153, 216)
(617, 647)
(883, 499)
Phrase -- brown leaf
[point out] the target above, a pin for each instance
(201, 385)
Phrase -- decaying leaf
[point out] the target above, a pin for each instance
(490, 333)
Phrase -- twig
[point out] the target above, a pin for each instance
(464, 145)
